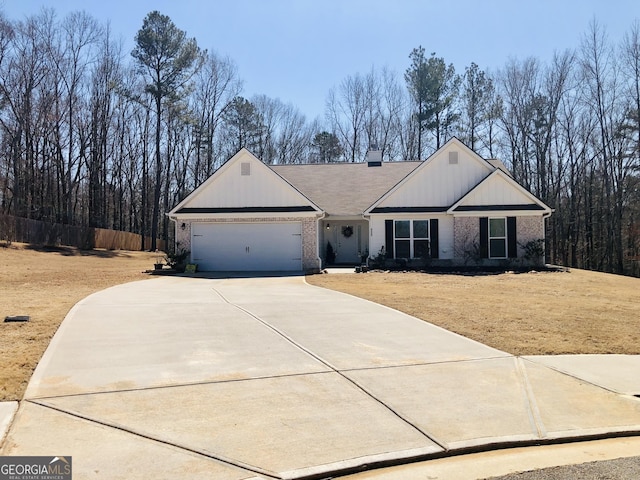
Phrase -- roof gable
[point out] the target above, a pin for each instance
(439, 181)
(244, 184)
(498, 192)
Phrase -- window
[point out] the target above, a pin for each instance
(497, 238)
(411, 239)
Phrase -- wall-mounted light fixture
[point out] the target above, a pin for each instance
(183, 226)
(328, 226)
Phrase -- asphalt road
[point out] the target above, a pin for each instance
(619, 469)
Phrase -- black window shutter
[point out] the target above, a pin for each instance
(433, 235)
(512, 240)
(484, 237)
(388, 238)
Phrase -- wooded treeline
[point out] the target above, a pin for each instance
(96, 136)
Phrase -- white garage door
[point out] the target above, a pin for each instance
(247, 246)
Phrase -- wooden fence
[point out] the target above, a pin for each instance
(17, 229)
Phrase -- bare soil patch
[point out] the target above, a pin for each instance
(45, 283)
(546, 313)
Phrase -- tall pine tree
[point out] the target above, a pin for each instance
(168, 60)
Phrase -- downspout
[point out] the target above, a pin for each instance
(319, 231)
(544, 229)
(364, 217)
(175, 230)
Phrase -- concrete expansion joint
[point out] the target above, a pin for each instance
(534, 412)
(276, 330)
(579, 378)
(36, 400)
(422, 364)
(219, 458)
(427, 435)
(333, 369)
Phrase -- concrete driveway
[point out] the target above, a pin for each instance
(272, 378)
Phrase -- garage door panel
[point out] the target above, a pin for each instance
(247, 246)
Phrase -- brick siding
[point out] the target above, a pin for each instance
(466, 235)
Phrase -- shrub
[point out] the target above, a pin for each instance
(178, 259)
(534, 251)
(379, 260)
(330, 254)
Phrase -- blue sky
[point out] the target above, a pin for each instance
(296, 50)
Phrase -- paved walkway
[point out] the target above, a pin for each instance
(272, 378)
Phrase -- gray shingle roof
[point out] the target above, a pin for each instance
(345, 189)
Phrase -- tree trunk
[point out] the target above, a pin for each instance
(158, 186)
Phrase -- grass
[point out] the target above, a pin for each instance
(546, 313)
(524, 314)
(45, 283)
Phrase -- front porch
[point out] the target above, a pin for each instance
(344, 241)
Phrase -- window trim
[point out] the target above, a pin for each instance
(411, 238)
(504, 238)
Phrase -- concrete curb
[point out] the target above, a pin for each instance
(7, 414)
(495, 463)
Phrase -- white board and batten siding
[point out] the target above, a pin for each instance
(245, 181)
(500, 189)
(441, 180)
(233, 246)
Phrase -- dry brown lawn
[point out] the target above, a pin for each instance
(45, 284)
(546, 313)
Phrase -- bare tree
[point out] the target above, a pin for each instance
(72, 57)
(269, 111)
(216, 85)
(294, 136)
(367, 111)
(603, 97)
(519, 83)
(21, 79)
(631, 68)
(104, 184)
(346, 112)
(391, 104)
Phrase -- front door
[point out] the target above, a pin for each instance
(349, 240)
(348, 236)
